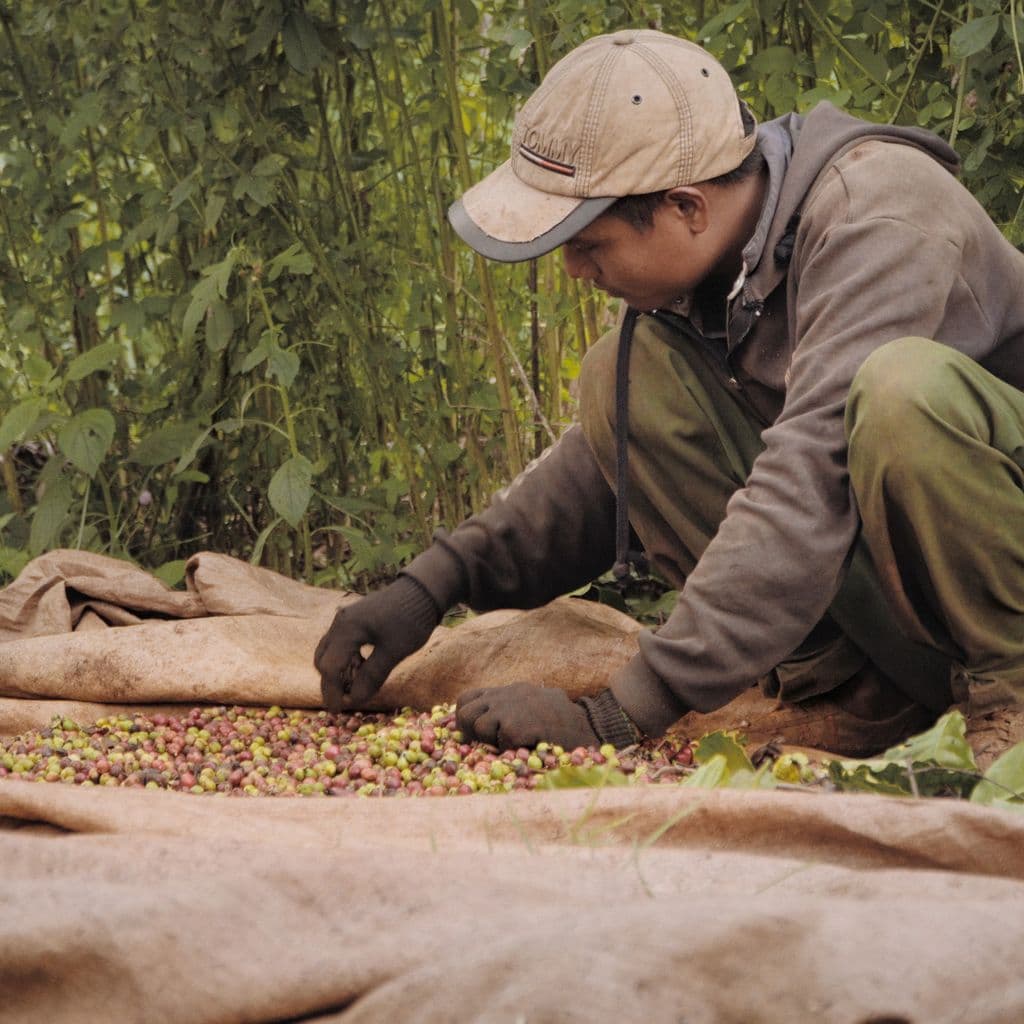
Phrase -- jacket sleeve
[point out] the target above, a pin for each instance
(867, 274)
(550, 531)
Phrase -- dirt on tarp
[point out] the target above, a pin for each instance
(635, 903)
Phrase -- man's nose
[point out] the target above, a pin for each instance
(576, 264)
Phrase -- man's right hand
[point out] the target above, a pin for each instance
(394, 621)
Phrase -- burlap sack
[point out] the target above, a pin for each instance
(638, 904)
(243, 635)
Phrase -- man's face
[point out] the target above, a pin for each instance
(648, 268)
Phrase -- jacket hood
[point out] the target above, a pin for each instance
(818, 139)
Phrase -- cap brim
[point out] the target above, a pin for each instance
(506, 220)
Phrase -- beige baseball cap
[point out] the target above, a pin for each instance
(623, 114)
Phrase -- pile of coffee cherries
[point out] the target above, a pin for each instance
(274, 752)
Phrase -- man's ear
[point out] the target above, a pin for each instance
(690, 202)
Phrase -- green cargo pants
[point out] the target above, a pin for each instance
(694, 440)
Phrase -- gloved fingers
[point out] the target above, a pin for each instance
(335, 687)
(358, 681)
(340, 646)
(469, 707)
(501, 716)
(486, 727)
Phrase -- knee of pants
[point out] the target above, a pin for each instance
(898, 397)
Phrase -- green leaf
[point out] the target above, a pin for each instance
(171, 573)
(713, 774)
(944, 744)
(291, 489)
(220, 273)
(976, 157)
(50, 515)
(86, 439)
(167, 230)
(723, 18)
(862, 779)
(39, 372)
(99, 358)
(213, 209)
(220, 325)
(1003, 784)
(301, 43)
(165, 444)
(283, 364)
(192, 451)
(973, 37)
(264, 33)
(13, 560)
(940, 759)
(270, 166)
(872, 61)
(19, 420)
(203, 295)
(360, 36)
(294, 259)
(182, 191)
(259, 189)
(129, 315)
(259, 352)
(774, 59)
(572, 776)
(723, 744)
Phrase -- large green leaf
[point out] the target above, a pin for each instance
(936, 762)
(50, 515)
(17, 423)
(220, 325)
(166, 443)
(291, 488)
(1003, 784)
(86, 439)
(944, 744)
(973, 36)
(101, 357)
(302, 45)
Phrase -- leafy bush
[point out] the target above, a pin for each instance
(233, 315)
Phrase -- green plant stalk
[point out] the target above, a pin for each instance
(11, 482)
(85, 508)
(841, 46)
(1016, 42)
(342, 185)
(961, 86)
(494, 332)
(421, 200)
(915, 62)
(293, 442)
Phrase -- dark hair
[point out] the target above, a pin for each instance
(638, 210)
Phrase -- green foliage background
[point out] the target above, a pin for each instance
(232, 314)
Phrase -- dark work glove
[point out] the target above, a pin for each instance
(522, 715)
(396, 621)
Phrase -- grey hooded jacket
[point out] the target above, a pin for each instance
(866, 237)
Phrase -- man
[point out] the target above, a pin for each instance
(811, 418)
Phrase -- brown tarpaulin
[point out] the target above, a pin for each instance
(634, 903)
(654, 904)
(245, 635)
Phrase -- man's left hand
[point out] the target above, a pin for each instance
(522, 715)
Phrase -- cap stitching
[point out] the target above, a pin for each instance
(590, 123)
(683, 110)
